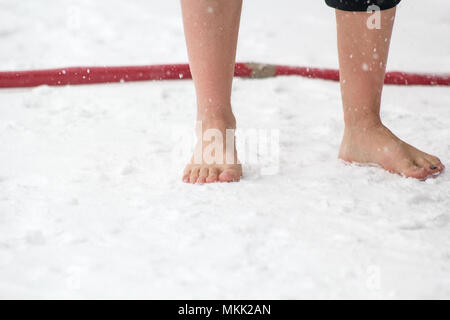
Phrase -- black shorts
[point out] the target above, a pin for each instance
(361, 5)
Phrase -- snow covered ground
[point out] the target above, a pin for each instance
(91, 203)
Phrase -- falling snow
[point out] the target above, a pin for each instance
(91, 203)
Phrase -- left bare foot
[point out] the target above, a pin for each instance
(379, 145)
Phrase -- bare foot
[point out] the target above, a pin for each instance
(379, 145)
(218, 162)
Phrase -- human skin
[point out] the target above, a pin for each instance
(363, 54)
(211, 30)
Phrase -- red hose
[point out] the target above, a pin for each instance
(90, 75)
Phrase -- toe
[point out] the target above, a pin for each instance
(436, 162)
(229, 176)
(426, 165)
(213, 175)
(430, 165)
(416, 172)
(186, 175)
(194, 175)
(203, 175)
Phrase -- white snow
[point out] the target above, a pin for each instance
(91, 199)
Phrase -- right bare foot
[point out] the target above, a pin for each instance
(205, 166)
(377, 144)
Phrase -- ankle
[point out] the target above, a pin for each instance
(363, 124)
(218, 120)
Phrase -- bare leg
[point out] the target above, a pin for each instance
(363, 54)
(211, 29)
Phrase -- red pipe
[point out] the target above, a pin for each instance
(90, 75)
(392, 77)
